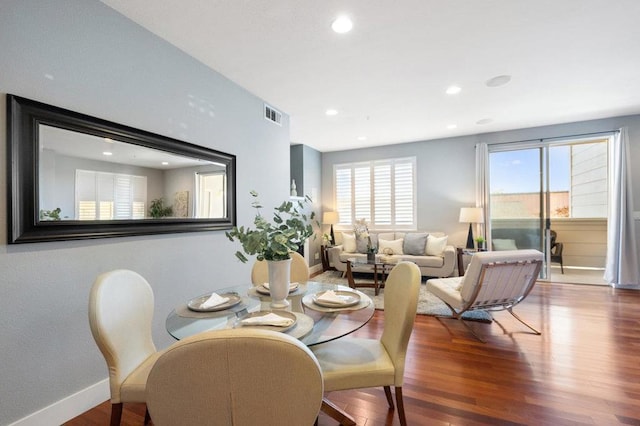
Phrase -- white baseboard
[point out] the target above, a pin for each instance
(69, 407)
(315, 268)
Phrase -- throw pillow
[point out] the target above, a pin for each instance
(348, 243)
(361, 242)
(390, 246)
(502, 244)
(415, 243)
(436, 245)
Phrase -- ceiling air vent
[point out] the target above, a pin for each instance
(272, 115)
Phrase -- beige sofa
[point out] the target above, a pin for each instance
(437, 264)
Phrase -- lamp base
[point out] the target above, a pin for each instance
(333, 237)
(470, 237)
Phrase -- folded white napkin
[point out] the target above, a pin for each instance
(331, 297)
(266, 285)
(214, 300)
(269, 319)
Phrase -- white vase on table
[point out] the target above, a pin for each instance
(279, 279)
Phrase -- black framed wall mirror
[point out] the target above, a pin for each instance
(72, 176)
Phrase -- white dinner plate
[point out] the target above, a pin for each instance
(195, 304)
(285, 314)
(349, 297)
(263, 290)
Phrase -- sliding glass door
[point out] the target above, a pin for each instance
(546, 192)
(518, 200)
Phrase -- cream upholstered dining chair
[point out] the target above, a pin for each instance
(239, 377)
(120, 315)
(495, 280)
(354, 363)
(299, 270)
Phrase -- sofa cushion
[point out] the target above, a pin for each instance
(393, 247)
(348, 242)
(363, 242)
(426, 261)
(436, 245)
(415, 243)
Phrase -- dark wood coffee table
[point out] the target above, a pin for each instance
(377, 267)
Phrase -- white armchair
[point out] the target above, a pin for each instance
(495, 280)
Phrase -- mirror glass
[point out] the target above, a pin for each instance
(73, 176)
(86, 177)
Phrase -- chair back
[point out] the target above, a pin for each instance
(500, 279)
(401, 292)
(120, 317)
(239, 377)
(299, 270)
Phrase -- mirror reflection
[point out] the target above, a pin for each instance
(84, 177)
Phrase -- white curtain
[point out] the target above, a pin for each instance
(482, 185)
(622, 265)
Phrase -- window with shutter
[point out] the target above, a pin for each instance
(105, 196)
(382, 192)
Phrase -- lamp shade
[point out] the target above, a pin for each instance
(471, 215)
(330, 218)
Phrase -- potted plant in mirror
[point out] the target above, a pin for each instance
(480, 241)
(274, 241)
(157, 209)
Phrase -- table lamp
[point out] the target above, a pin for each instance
(330, 218)
(471, 215)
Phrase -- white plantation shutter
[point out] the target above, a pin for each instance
(362, 192)
(405, 193)
(343, 189)
(382, 192)
(105, 196)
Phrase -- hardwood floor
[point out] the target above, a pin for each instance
(583, 370)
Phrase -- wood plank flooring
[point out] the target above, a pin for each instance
(583, 370)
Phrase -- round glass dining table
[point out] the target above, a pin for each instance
(314, 324)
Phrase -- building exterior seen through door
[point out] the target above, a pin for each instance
(560, 186)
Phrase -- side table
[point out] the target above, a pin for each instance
(461, 252)
(324, 255)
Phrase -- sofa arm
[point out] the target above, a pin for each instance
(449, 255)
(334, 255)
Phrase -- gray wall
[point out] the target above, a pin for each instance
(446, 169)
(83, 56)
(305, 168)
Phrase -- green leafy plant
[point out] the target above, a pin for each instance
(50, 214)
(274, 240)
(157, 209)
(480, 240)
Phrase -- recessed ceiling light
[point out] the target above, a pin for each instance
(165, 163)
(453, 90)
(497, 81)
(342, 24)
(362, 138)
(452, 126)
(107, 153)
(331, 112)
(484, 121)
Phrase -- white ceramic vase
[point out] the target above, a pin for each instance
(279, 279)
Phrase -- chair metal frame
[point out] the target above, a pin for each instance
(516, 270)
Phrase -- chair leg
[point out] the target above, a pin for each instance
(147, 417)
(561, 267)
(400, 403)
(387, 392)
(522, 321)
(116, 414)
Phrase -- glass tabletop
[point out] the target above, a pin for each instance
(315, 324)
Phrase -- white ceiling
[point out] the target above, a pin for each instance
(570, 60)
